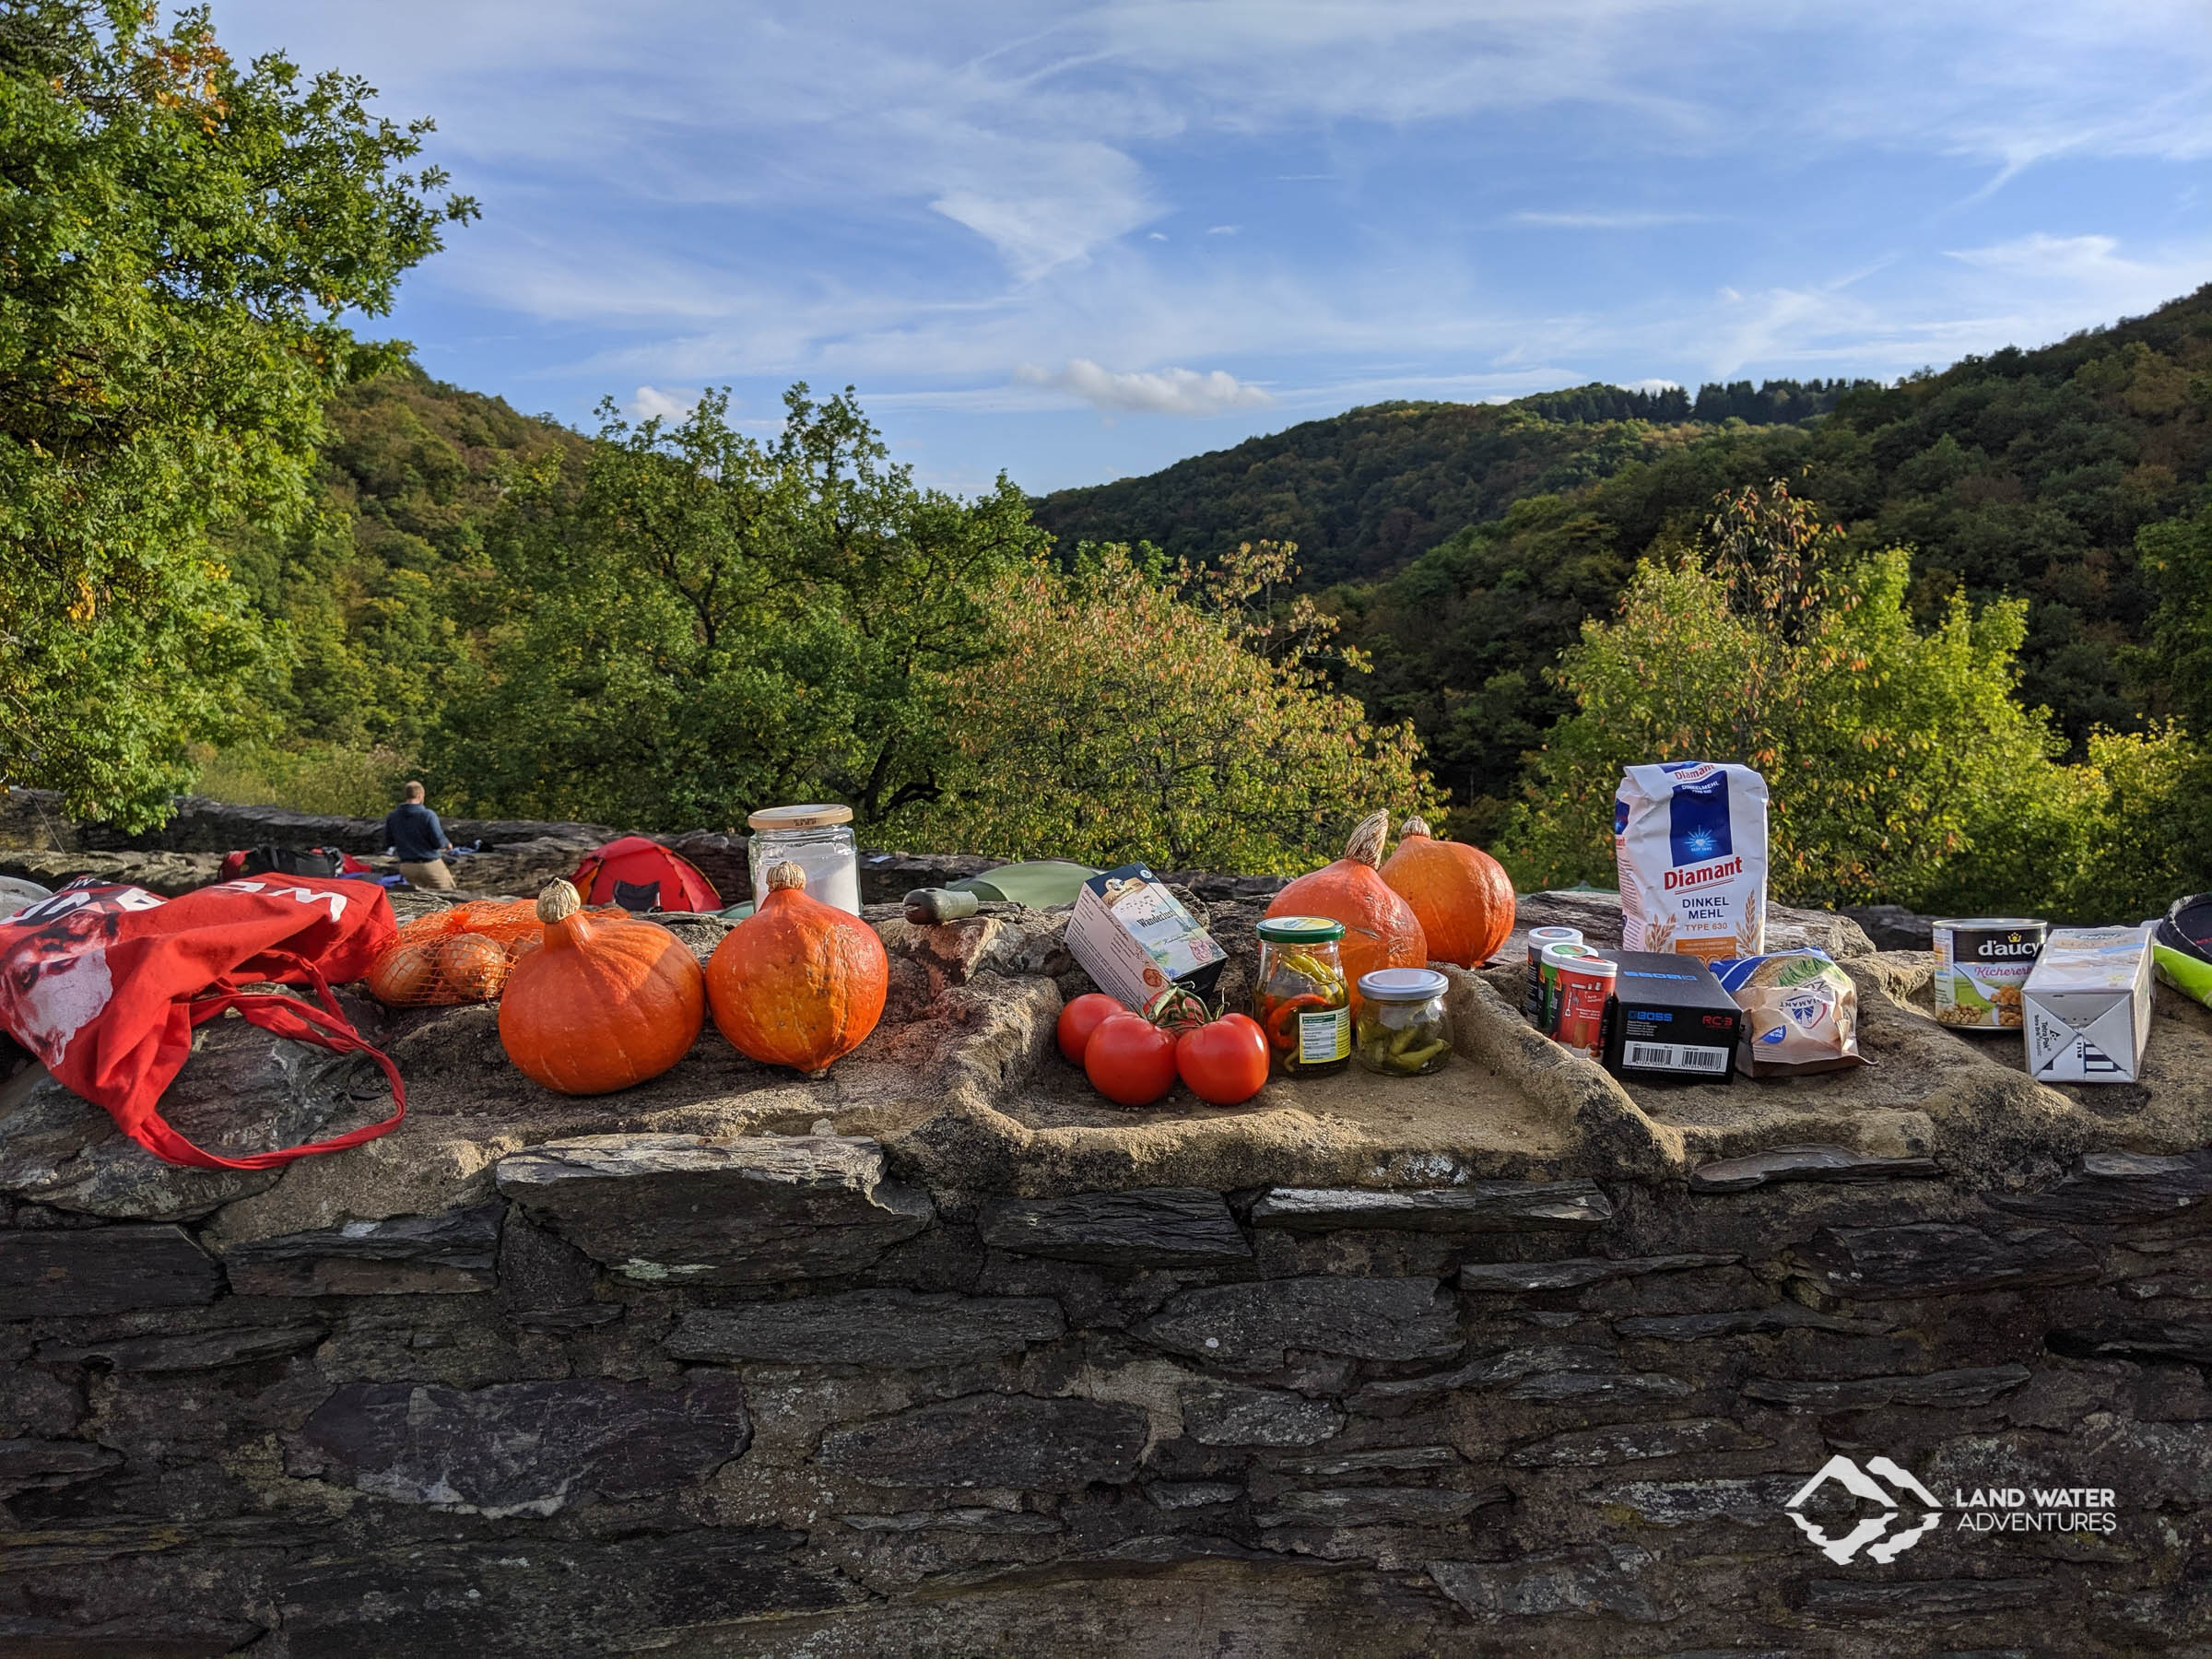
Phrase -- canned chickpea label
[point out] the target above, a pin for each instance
(1981, 968)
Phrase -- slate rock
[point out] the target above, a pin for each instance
(1249, 1326)
(1232, 1414)
(1147, 1227)
(1807, 1163)
(545, 1282)
(679, 1209)
(191, 1350)
(28, 1465)
(2186, 1341)
(1012, 1441)
(894, 1328)
(1008, 1522)
(1599, 1583)
(1399, 1395)
(544, 1596)
(1596, 1388)
(1381, 1459)
(1753, 1500)
(2108, 1189)
(1745, 1322)
(240, 1090)
(1192, 1494)
(1976, 1385)
(524, 1447)
(1513, 1279)
(1380, 1506)
(454, 1252)
(1631, 1442)
(103, 1270)
(1480, 1207)
(1941, 1258)
(1918, 1598)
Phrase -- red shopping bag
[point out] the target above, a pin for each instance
(104, 984)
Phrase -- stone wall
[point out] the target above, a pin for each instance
(943, 1354)
(763, 1398)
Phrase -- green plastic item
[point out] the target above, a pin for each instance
(2192, 976)
(1040, 884)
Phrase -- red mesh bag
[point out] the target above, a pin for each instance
(459, 955)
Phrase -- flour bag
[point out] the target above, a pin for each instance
(1691, 840)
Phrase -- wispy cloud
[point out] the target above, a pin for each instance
(654, 403)
(1147, 391)
(1627, 220)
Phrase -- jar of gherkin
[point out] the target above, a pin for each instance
(1302, 1002)
(1403, 1030)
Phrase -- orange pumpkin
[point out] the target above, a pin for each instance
(798, 983)
(403, 976)
(1381, 929)
(604, 1001)
(1461, 895)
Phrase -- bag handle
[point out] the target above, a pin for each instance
(325, 1027)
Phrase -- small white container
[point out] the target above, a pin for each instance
(819, 839)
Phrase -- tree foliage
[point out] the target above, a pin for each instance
(1173, 716)
(685, 623)
(178, 237)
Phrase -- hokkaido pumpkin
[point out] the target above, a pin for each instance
(1379, 928)
(1461, 895)
(604, 1001)
(798, 983)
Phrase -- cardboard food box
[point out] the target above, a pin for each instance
(2085, 1008)
(1670, 1018)
(1134, 938)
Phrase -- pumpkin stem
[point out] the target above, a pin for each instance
(1416, 825)
(558, 903)
(786, 874)
(1368, 836)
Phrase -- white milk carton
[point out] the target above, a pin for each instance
(1689, 838)
(2086, 1007)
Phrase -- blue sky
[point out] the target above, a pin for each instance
(1076, 241)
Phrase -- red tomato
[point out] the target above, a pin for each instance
(1224, 1062)
(1130, 1060)
(1080, 1018)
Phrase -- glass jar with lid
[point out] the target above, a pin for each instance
(819, 839)
(1301, 1001)
(1404, 1031)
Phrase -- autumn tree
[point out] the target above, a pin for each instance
(1171, 716)
(179, 236)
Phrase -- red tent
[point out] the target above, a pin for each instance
(640, 875)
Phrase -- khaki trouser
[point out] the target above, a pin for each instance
(435, 873)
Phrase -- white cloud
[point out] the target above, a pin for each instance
(1223, 229)
(652, 403)
(1147, 391)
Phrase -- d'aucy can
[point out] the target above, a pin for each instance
(1533, 1004)
(1982, 965)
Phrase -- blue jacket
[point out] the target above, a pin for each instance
(414, 833)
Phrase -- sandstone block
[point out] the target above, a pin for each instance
(1231, 1414)
(1510, 1278)
(1249, 1326)
(103, 1270)
(896, 1329)
(1941, 1258)
(454, 1252)
(1631, 1442)
(1805, 1163)
(1480, 1207)
(1012, 1441)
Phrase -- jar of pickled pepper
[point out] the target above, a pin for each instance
(1303, 1001)
(1403, 1030)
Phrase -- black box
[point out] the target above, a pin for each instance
(1668, 1017)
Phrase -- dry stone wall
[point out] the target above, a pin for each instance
(944, 1355)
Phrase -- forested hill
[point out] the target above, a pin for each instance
(2027, 473)
(1363, 492)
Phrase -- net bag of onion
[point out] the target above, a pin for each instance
(458, 955)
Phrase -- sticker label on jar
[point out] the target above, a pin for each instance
(1324, 1037)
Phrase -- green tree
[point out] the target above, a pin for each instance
(178, 239)
(1894, 756)
(2177, 559)
(687, 623)
(1135, 714)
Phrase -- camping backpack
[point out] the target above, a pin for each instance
(269, 859)
(105, 984)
